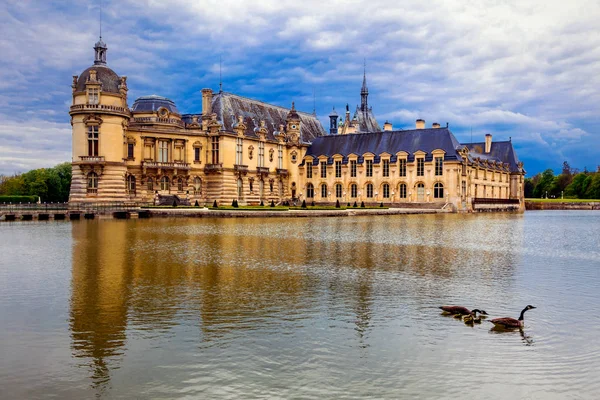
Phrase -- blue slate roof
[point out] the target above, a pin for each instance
(500, 151)
(153, 103)
(390, 142)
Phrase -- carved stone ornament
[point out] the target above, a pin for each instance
(92, 119)
(271, 155)
(294, 155)
(250, 151)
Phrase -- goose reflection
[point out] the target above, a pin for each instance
(525, 338)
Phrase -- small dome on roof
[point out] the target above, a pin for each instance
(333, 113)
(109, 79)
(152, 103)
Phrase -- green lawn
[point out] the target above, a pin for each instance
(563, 200)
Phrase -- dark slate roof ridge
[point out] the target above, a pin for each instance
(264, 102)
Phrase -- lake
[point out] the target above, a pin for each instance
(307, 308)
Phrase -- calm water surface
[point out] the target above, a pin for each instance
(300, 308)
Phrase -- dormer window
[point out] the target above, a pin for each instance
(93, 95)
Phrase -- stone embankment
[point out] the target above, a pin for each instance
(562, 205)
(241, 213)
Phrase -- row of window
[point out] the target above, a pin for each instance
(163, 149)
(438, 190)
(163, 184)
(439, 168)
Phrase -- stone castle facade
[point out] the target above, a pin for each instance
(242, 149)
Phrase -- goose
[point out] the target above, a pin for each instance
(511, 323)
(459, 311)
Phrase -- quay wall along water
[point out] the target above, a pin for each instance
(561, 205)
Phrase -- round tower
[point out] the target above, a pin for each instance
(333, 118)
(99, 117)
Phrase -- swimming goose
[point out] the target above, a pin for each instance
(459, 310)
(511, 323)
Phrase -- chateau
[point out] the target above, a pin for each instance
(247, 150)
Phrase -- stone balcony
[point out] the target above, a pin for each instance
(262, 170)
(240, 169)
(157, 121)
(92, 159)
(213, 168)
(282, 172)
(99, 108)
(166, 165)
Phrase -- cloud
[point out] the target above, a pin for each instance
(521, 69)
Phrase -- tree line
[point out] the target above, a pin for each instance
(50, 184)
(571, 183)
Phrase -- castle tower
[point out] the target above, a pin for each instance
(333, 121)
(293, 126)
(99, 117)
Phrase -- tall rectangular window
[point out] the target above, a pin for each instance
(402, 169)
(369, 168)
(353, 168)
(309, 166)
(239, 151)
(420, 167)
(197, 154)
(338, 169)
(439, 166)
(93, 140)
(215, 149)
(323, 169)
(163, 151)
(261, 154)
(280, 156)
(130, 151)
(386, 168)
(93, 95)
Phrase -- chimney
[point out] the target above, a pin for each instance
(387, 126)
(206, 103)
(488, 142)
(420, 124)
(435, 125)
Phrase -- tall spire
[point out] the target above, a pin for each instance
(100, 47)
(364, 91)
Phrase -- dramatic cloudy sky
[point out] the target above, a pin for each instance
(529, 70)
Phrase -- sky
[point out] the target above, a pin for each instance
(524, 70)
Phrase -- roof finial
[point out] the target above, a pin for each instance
(100, 19)
(220, 76)
(314, 102)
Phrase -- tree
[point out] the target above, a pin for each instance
(545, 184)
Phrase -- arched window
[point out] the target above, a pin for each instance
(150, 184)
(438, 191)
(164, 183)
(354, 191)
(131, 183)
(402, 190)
(310, 191)
(197, 185)
(180, 185)
(369, 190)
(338, 190)
(92, 182)
(386, 191)
(324, 191)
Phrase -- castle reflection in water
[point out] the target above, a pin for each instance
(142, 279)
